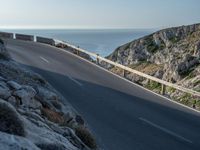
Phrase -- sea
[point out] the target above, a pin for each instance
(100, 41)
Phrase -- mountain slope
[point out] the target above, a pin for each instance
(171, 54)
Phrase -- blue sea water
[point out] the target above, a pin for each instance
(101, 41)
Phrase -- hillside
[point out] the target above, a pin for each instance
(33, 115)
(171, 54)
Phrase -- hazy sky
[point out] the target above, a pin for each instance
(98, 13)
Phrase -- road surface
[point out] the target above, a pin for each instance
(122, 115)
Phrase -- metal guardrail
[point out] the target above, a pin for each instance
(124, 68)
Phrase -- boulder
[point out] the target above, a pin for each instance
(46, 94)
(10, 121)
(4, 90)
(12, 142)
(47, 98)
(14, 85)
(12, 100)
(2, 79)
(26, 96)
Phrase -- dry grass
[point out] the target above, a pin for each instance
(117, 70)
(86, 137)
(56, 117)
(147, 68)
(52, 115)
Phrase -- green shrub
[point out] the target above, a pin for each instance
(174, 39)
(171, 89)
(191, 75)
(198, 103)
(196, 82)
(152, 47)
(153, 85)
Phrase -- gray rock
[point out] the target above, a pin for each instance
(14, 85)
(12, 142)
(12, 100)
(46, 97)
(10, 121)
(52, 146)
(44, 135)
(26, 95)
(46, 94)
(24, 126)
(177, 53)
(23, 94)
(159, 74)
(3, 85)
(178, 48)
(2, 79)
(4, 90)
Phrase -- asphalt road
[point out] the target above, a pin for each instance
(122, 115)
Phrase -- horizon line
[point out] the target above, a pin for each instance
(75, 28)
(86, 28)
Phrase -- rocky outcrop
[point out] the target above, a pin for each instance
(33, 115)
(3, 52)
(171, 54)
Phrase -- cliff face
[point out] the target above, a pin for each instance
(171, 54)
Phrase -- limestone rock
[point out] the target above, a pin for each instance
(171, 54)
(10, 121)
(24, 97)
(12, 142)
(12, 100)
(4, 90)
(14, 85)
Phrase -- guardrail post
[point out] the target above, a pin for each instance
(97, 61)
(163, 88)
(148, 81)
(77, 52)
(123, 73)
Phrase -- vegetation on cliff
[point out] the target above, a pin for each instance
(171, 54)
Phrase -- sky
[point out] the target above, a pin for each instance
(92, 14)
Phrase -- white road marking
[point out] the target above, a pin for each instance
(44, 59)
(165, 130)
(77, 82)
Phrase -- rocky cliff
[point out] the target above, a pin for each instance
(171, 54)
(33, 115)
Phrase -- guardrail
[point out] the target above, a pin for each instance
(24, 37)
(6, 35)
(99, 58)
(45, 40)
(124, 68)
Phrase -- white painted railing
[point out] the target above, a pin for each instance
(124, 68)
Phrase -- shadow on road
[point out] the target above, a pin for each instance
(114, 116)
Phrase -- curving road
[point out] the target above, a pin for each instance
(122, 115)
